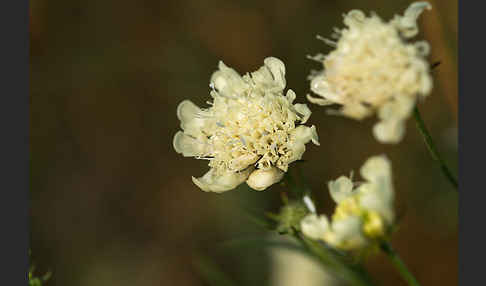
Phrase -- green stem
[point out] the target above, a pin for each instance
(399, 265)
(292, 184)
(432, 149)
(305, 187)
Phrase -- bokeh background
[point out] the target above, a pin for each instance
(111, 201)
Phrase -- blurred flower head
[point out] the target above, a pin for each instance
(363, 213)
(249, 133)
(290, 268)
(374, 69)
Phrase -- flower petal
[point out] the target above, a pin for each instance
(228, 82)
(389, 131)
(211, 182)
(189, 146)
(305, 134)
(340, 189)
(407, 24)
(314, 226)
(242, 162)
(347, 233)
(376, 167)
(303, 111)
(191, 118)
(378, 193)
(261, 179)
(319, 101)
(277, 69)
(379, 201)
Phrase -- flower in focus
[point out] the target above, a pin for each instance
(374, 69)
(363, 215)
(249, 133)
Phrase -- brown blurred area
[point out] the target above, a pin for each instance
(111, 201)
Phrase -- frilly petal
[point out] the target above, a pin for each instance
(340, 189)
(354, 17)
(301, 136)
(378, 194)
(210, 182)
(277, 69)
(305, 134)
(189, 146)
(228, 82)
(320, 86)
(242, 162)
(304, 112)
(376, 167)
(389, 131)
(187, 110)
(290, 96)
(319, 101)
(191, 118)
(399, 108)
(407, 24)
(261, 179)
(271, 75)
(391, 128)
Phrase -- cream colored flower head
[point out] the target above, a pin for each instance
(363, 213)
(250, 132)
(374, 69)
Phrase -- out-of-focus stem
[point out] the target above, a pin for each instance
(399, 264)
(432, 148)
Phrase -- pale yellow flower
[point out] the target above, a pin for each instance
(364, 213)
(249, 133)
(374, 69)
(314, 226)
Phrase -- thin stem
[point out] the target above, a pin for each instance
(305, 186)
(432, 149)
(399, 264)
(293, 186)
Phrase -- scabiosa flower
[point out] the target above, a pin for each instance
(364, 213)
(374, 69)
(249, 133)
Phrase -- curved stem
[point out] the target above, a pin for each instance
(399, 264)
(432, 149)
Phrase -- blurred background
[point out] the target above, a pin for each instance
(113, 204)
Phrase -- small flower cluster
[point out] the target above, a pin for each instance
(363, 214)
(373, 69)
(250, 132)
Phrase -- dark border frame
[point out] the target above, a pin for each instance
(14, 118)
(471, 132)
(15, 126)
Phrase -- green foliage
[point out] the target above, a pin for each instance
(37, 281)
(290, 216)
(34, 280)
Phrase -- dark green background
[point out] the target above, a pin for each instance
(111, 201)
